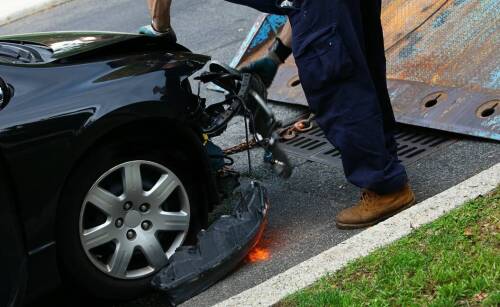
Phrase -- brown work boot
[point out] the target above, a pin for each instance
(374, 208)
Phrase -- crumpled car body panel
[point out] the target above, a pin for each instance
(193, 269)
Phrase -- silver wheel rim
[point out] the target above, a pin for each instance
(130, 231)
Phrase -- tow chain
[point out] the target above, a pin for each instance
(240, 147)
(286, 134)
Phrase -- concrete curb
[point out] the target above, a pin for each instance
(13, 10)
(304, 274)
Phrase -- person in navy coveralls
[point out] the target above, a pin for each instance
(338, 46)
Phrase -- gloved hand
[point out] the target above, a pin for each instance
(150, 31)
(267, 67)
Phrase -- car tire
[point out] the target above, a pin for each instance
(79, 267)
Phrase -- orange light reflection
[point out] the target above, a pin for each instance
(259, 254)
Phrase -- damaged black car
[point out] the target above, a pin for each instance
(104, 170)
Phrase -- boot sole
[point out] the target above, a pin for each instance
(383, 218)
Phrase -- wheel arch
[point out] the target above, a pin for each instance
(181, 136)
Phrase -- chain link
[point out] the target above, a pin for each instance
(286, 134)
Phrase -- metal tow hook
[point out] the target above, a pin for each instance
(297, 128)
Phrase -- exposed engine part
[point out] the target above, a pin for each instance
(247, 96)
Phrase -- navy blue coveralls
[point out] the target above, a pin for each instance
(338, 46)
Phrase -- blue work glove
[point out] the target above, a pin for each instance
(266, 68)
(151, 32)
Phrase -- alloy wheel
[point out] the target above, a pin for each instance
(133, 219)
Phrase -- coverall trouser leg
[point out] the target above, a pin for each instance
(339, 50)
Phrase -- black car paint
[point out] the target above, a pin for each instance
(68, 44)
(61, 108)
(13, 255)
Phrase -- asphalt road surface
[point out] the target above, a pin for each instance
(301, 221)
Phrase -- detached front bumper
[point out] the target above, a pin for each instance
(193, 269)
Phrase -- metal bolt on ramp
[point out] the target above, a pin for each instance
(413, 144)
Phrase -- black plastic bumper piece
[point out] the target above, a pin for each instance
(193, 269)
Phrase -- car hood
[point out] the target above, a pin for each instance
(67, 44)
(86, 69)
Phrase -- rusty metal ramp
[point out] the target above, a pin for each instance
(443, 63)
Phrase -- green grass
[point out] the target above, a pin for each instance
(454, 261)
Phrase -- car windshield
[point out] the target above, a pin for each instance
(17, 52)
